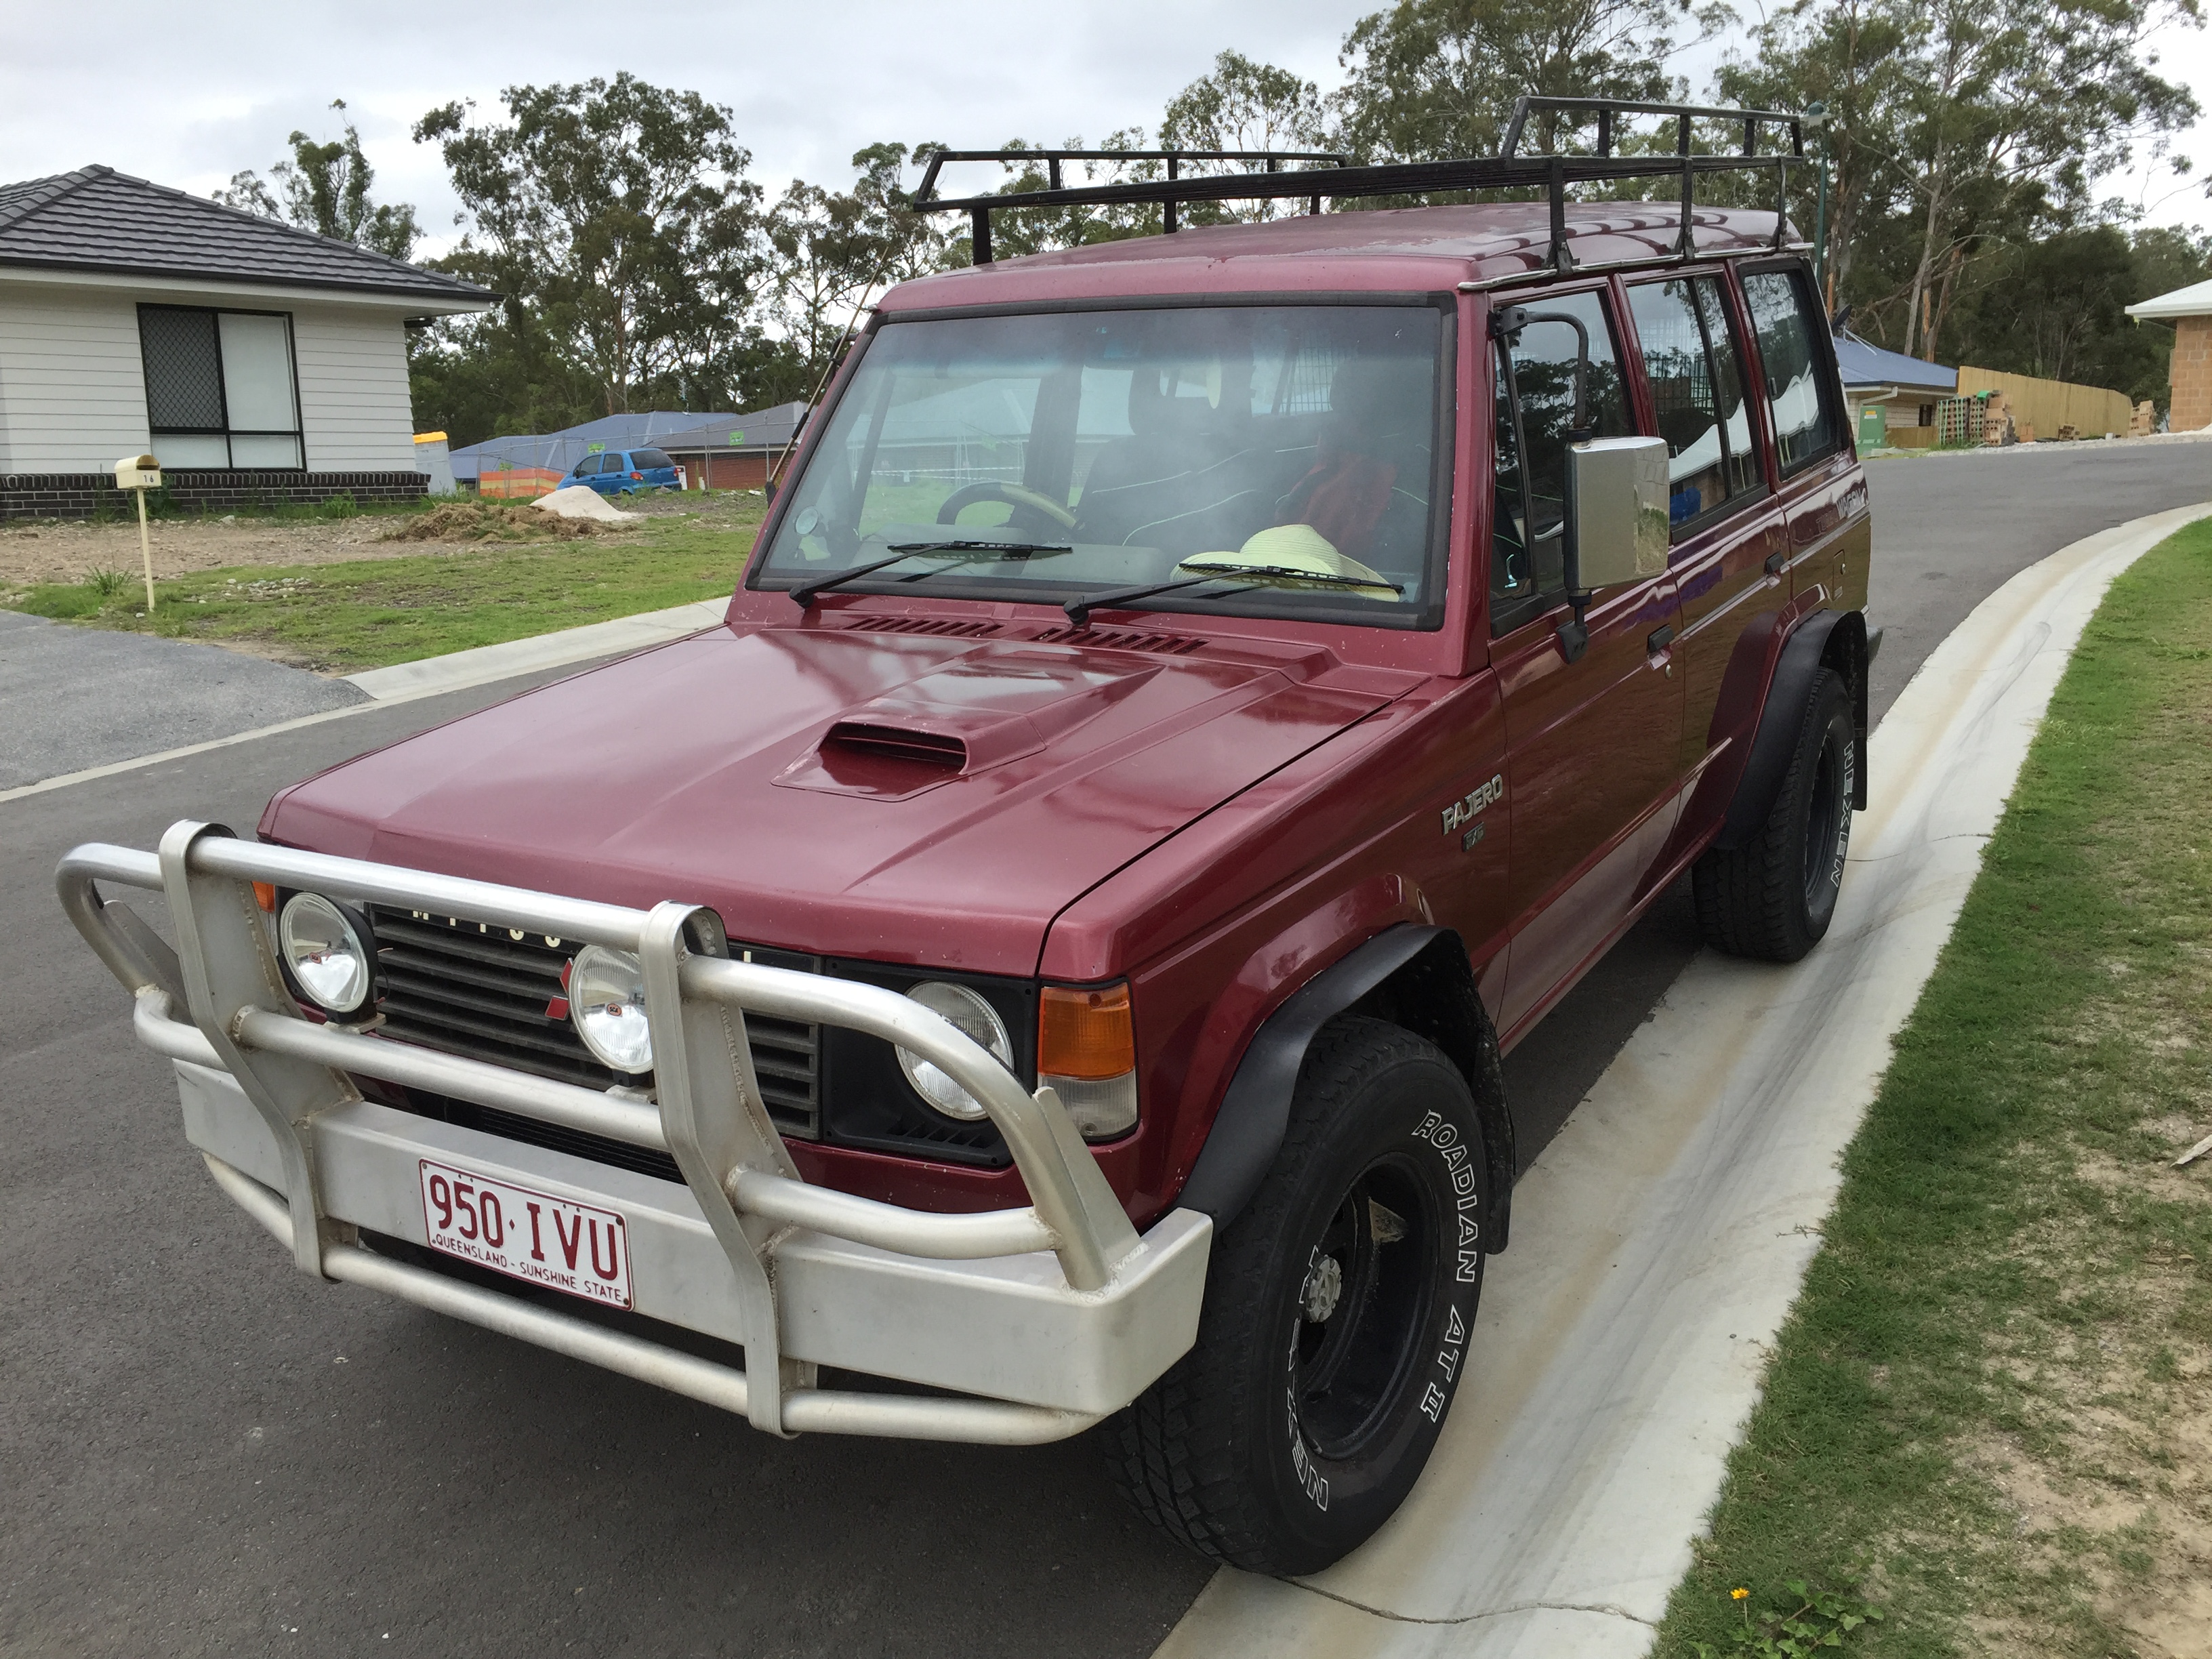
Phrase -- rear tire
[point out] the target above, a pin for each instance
(1338, 1310)
(1773, 897)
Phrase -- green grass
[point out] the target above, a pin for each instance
(1990, 1410)
(370, 613)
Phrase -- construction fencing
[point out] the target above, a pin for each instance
(518, 484)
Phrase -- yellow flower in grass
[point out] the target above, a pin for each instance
(1737, 1595)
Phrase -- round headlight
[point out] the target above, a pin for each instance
(606, 1000)
(325, 951)
(978, 1021)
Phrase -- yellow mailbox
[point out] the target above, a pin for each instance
(139, 474)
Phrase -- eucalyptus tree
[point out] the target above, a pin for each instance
(833, 250)
(324, 187)
(1429, 79)
(616, 219)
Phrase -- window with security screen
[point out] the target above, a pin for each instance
(219, 392)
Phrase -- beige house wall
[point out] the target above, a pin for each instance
(2192, 374)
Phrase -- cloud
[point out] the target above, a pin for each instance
(219, 87)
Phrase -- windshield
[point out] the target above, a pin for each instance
(1246, 443)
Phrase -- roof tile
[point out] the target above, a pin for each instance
(97, 219)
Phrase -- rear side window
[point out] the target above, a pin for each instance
(644, 459)
(1799, 397)
(1697, 393)
(1534, 414)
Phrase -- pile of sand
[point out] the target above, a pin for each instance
(581, 501)
(492, 522)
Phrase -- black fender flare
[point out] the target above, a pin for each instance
(1255, 1110)
(1804, 653)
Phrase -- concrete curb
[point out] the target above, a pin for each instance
(1660, 1238)
(460, 670)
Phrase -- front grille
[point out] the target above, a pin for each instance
(468, 988)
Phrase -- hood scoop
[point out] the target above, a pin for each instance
(872, 738)
(995, 705)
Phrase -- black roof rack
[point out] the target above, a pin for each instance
(1507, 170)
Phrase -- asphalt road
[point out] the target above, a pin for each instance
(81, 697)
(207, 1453)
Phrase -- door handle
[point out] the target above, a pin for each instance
(1659, 639)
(1777, 562)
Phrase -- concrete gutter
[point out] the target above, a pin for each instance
(460, 669)
(1660, 1240)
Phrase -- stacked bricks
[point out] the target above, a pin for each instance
(2192, 374)
(78, 495)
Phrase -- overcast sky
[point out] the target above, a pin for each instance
(217, 87)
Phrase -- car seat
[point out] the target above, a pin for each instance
(1367, 490)
(1186, 479)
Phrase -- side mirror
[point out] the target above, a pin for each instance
(1617, 523)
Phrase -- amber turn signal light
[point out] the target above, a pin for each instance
(1085, 1034)
(264, 895)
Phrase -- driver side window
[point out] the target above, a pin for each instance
(1535, 405)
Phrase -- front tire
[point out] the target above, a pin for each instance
(1774, 897)
(1337, 1315)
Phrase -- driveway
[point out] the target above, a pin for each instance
(209, 1454)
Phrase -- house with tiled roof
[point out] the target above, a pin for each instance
(253, 360)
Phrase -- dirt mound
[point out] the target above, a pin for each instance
(492, 522)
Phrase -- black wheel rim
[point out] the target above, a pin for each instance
(1826, 824)
(1351, 1364)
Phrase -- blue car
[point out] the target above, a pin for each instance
(626, 472)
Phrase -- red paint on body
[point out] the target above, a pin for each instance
(1214, 808)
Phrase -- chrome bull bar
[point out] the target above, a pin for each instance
(705, 1112)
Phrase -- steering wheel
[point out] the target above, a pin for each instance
(1013, 494)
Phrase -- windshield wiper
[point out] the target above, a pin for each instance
(1079, 609)
(965, 552)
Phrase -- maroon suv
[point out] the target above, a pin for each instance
(1197, 703)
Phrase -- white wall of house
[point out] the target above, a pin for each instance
(354, 409)
(72, 383)
(72, 378)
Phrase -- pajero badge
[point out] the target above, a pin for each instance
(1462, 811)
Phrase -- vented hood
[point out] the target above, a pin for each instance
(860, 793)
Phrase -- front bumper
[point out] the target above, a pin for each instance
(1038, 1321)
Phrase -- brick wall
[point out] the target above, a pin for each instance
(2192, 374)
(724, 471)
(77, 495)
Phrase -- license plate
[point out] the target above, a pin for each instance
(530, 1235)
